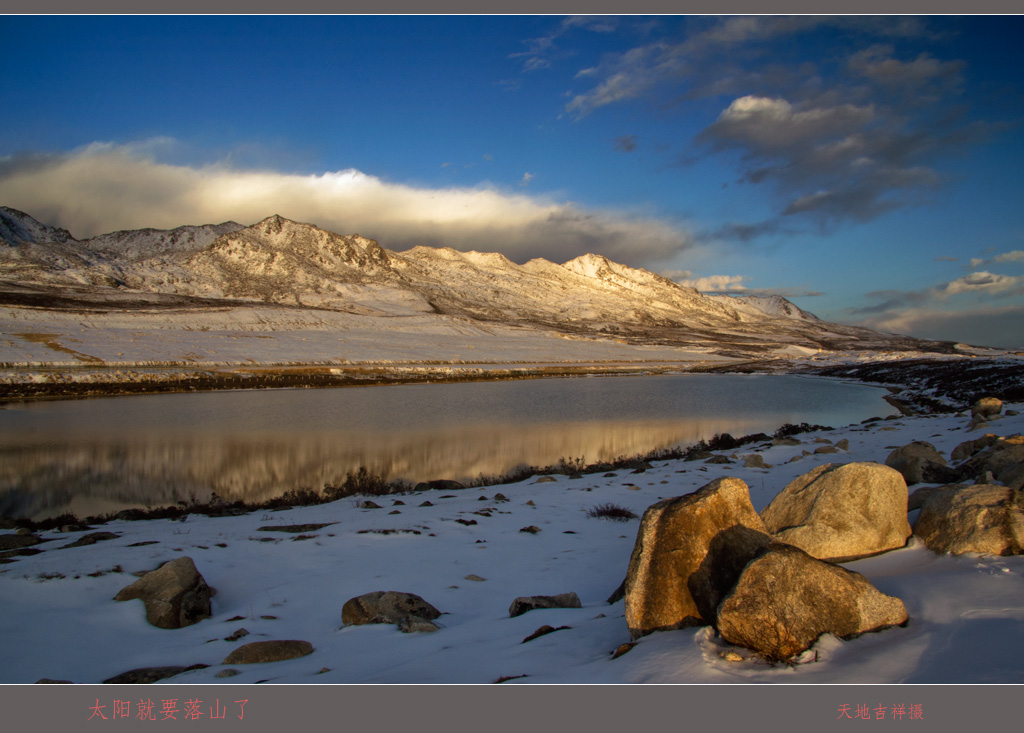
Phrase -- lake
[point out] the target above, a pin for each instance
(107, 454)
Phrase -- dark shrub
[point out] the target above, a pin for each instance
(611, 511)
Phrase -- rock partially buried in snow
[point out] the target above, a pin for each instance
(261, 652)
(688, 553)
(175, 594)
(385, 607)
(841, 512)
(785, 599)
(149, 675)
(528, 603)
(982, 518)
(415, 624)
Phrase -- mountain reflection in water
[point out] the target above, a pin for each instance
(95, 456)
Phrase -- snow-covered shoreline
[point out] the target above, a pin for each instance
(965, 612)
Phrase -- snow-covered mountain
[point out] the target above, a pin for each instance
(285, 263)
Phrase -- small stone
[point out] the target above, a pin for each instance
(528, 603)
(623, 648)
(732, 657)
(227, 673)
(477, 578)
(532, 529)
(262, 652)
(546, 480)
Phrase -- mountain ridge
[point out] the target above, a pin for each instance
(281, 262)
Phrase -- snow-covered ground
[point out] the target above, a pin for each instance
(59, 620)
(275, 335)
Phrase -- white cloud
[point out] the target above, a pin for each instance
(983, 282)
(710, 283)
(105, 187)
(1001, 327)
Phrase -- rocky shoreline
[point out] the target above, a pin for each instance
(743, 574)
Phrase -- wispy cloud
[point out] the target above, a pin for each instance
(837, 139)
(731, 285)
(625, 143)
(963, 309)
(541, 52)
(1014, 256)
(105, 187)
(997, 326)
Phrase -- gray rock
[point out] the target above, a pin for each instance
(919, 462)
(753, 460)
(688, 553)
(385, 607)
(546, 480)
(841, 512)
(261, 652)
(917, 499)
(48, 681)
(18, 541)
(149, 675)
(175, 594)
(415, 624)
(785, 600)
(529, 603)
(982, 518)
(90, 539)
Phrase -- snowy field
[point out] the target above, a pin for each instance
(59, 620)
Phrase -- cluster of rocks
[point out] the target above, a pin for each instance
(709, 558)
(771, 581)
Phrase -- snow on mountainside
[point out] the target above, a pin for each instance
(134, 245)
(286, 263)
(760, 306)
(34, 252)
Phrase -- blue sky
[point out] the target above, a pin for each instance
(869, 168)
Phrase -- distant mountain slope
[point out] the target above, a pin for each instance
(764, 305)
(278, 261)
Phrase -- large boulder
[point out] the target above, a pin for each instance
(175, 594)
(841, 512)
(689, 551)
(919, 462)
(261, 652)
(981, 518)
(785, 599)
(386, 607)
(529, 603)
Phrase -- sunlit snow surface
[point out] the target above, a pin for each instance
(966, 613)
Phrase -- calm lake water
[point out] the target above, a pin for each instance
(102, 455)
